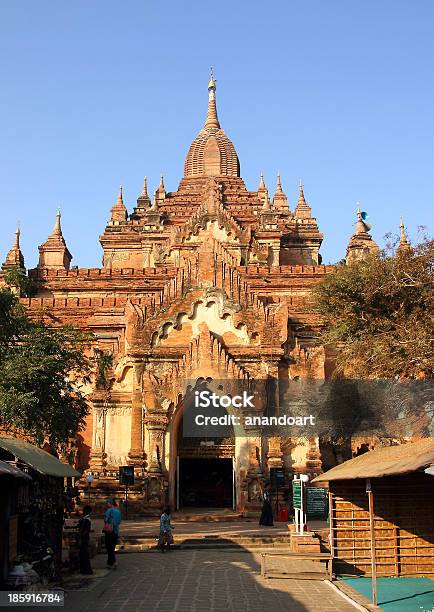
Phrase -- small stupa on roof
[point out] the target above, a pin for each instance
(54, 254)
(280, 201)
(302, 210)
(404, 245)
(14, 259)
(118, 212)
(143, 201)
(361, 243)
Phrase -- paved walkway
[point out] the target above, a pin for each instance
(149, 527)
(197, 581)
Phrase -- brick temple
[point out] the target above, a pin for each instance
(209, 281)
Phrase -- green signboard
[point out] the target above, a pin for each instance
(296, 494)
(316, 502)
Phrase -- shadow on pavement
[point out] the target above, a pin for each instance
(197, 581)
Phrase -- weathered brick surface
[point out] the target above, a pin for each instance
(211, 279)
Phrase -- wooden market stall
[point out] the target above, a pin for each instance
(36, 519)
(383, 500)
(14, 489)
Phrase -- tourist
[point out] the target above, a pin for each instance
(166, 538)
(267, 511)
(84, 529)
(112, 521)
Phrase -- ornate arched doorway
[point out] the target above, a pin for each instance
(202, 473)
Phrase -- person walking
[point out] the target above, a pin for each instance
(266, 519)
(84, 529)
(166, 538)
(112, 521)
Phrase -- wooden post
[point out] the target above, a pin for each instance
(126, 502)
(372, 530)
(331, 538)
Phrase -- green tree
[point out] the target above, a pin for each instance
(379, 313)
(42, 372)
(17, 278)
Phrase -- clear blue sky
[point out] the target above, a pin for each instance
(100, 92)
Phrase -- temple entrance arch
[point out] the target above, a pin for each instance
(205, 482)
(201, 470)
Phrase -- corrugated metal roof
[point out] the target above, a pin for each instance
(6, 469)
(384, 461)
(37, 458)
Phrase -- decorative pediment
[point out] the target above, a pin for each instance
(213, 310)
(212, 209)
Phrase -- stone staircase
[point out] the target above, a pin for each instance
(218, 516)
(234, 542)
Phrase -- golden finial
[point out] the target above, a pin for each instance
(211, 117)
(212, 81)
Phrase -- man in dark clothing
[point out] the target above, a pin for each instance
(84, 528)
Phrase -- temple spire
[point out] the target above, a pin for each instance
(161, 190)
(301, 199)
(360, 224)
(302, 210)
(119, 210)
(144, 195)
(403, 237)
(262, 188)
(211, 153)
(279, 184)
(212, 120)
(56, 235)
(57, 230)
(54, 254)
(361, 243)
(404, 244)
(143, 202)
(15, 257)
(280, 201)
